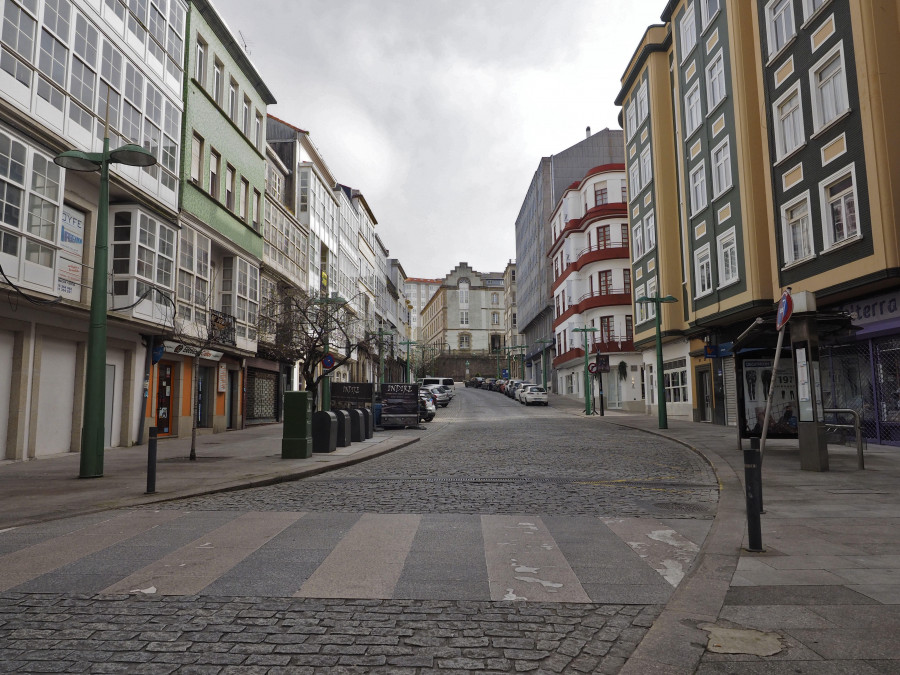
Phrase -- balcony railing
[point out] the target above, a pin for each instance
(221, 327)
(600, 247)
(603, 292)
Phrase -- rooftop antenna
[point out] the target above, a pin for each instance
(244, 43)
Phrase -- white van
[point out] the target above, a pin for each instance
(446, 381)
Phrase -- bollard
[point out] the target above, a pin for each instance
(151, 462)
(755, 444)
(753, 485)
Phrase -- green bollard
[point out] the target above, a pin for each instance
(296, 441)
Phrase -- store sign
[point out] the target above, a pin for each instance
(71, 252)
(400, 404)
(190, 350)
(874, 310)
(223, 378)
(348, 395)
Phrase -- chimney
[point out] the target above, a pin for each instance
(587, 131)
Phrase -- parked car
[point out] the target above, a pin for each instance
(512, 387)
(442, 398)
(427, 410)
(520, 392)
(445, 381)
(428, 394)
(447, 390)
(535, 395)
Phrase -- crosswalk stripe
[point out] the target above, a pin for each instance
(367, 562)
(191, 568)
(661, 547)
(27, 563)
(524, 562)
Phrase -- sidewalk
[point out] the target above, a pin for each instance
(824, 596)
(49, 488)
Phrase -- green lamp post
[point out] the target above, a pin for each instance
(382, 333)
(587, 377)
(94, 422)
(409, 344)
(657, 302)
(542, 342)
(326, 380)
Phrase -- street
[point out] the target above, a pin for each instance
(508, 539)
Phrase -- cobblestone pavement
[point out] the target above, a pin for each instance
(205, 585)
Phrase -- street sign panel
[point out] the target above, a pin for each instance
(592, 367)
(328, 361)
(785, 309)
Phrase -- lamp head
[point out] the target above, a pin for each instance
(76, 160)
(132, 155)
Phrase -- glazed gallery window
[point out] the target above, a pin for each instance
(728, 260)
(779, 24)
(693, 111)
(240, 295)
(698, 189)
(702, 271)
(829, 88)
(796, 232)
(788, 114)
(839, 208)
(715, 80)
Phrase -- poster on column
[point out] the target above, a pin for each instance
(71, 252)
(758, 376)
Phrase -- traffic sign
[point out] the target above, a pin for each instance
(785, 309)
(593, 367)
(328, 361)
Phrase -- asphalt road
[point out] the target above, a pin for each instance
(509, 539)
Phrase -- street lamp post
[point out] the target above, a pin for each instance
(542, 342)
(94, 422)
(657, 302)
(587, 377)
(409, 344)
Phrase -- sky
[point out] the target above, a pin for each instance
(439, 111)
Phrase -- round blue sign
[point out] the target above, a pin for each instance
(785, 309)
(328, 361)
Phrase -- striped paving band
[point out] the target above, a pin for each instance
(346, 555)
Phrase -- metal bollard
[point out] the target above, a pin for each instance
(151, 462)
(753, 485)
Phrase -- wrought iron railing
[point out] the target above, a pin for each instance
(221, 327)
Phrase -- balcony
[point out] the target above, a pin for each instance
(612, 344)
(609, 297)
(591, 254)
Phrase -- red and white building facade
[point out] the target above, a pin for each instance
(591, 272)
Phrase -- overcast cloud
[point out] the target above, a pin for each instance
(440, 111)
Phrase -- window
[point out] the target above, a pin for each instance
(675, 381)
(788, 113)
(708, 10)
(688, 32)
(465, 341)
(259, 133)
(600, 194)
(698, 189)
(630, 119)
(214, 173)
(245, 119)
(232, 100)
(155, 256)
(637, 242)
(464, 318)
(796, 231)
(495, 298)
(650, 231)
(779, 24)
(245, 200)
(642, 102)
(200, 65)
(715, 80)
(52, 63)
(839, 208)
(646, 167)
(693, 112)
(721, 167)
(229, 187)
(257, 207)
(626, 281)
(463, 293)
(810, 7)
(495, 318)
(602, 234)
(196, 159)
(605, 279)
(240, 295)
(18, 36)
(193, 276)
(606, 329)
(829, 88)
(634, 179)
(624, 193)
(651, 293)
(640, 307)
(702, 271)
(728, 261)
(218, 74)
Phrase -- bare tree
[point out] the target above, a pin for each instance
(300, 328)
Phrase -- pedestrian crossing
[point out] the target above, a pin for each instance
(561, 559)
